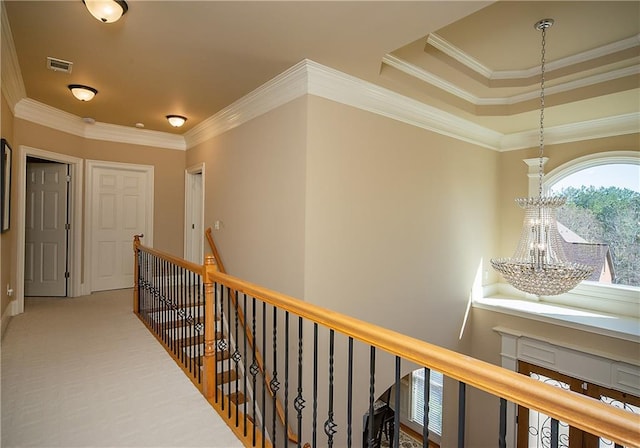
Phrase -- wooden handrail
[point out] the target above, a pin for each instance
(572, 408)
(292, 436)
(577, 410)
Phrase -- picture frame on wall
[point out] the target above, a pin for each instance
(5, 185)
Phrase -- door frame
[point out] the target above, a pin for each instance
(189, 178)
(75, 285)
(91, 166)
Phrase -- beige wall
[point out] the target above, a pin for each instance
(6, 265)
(255, 185)
(398, 220)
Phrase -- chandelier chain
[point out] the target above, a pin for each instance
(542, 80)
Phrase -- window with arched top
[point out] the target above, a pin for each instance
(600, 222)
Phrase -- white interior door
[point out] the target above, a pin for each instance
(194, 222)
(119, 199)
(45, 230)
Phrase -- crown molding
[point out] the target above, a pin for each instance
(349, 90)
(425, 76)
(585, 130)
(309, 77)
(467, 60)
(287, 86)
(42, 114)
(12, 83)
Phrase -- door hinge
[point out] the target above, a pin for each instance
(193, 226)
(68, 178)
(67, 275)
(67, 226)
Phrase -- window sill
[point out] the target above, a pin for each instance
(500, 298)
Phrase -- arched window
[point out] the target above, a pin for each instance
(600, 223)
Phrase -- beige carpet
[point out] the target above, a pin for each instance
(85, 372)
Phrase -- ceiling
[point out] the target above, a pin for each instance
(478, 60)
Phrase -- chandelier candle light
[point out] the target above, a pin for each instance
(539, 265)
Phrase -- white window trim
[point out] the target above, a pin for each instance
(611, 310)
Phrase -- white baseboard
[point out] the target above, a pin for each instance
(6, 317)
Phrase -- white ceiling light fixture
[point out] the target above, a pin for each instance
(539, 265)
(176, 120)
(106, 11)
(83, 93)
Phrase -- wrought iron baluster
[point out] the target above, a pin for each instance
(299, 401)
(396, 406)
(502, 438)
(372, 392)
(228, 338)
(264, 379)
(201, 323)
(315, 386)
(274, 384)
(554, 433)
(462, 398)
(236, 354)
(216, 351)
(426, 394)
(253, 369)
(330, 425)
(286, 376)
(349, 392)
(244, 365)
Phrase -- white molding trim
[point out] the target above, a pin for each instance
(287, 86)
(42, 114)
(75, 240)
(334, 85)
(309, 77)
(12, 83)
(436, 81)
(585, 130)
(589, 161)
(6, 317)
(467, 60)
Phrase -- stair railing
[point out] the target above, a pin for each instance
(334, 394)
(241, 318)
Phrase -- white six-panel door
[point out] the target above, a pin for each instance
(119, 210)
(45, 232)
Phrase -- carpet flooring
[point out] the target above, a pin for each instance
(85, 372)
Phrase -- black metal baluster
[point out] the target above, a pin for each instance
(329, 425)
(462, 398)
(236, 355)
(554, 433)
(350, 392)
(286, 376)
(315, 386)
(244, 365)
(299, 401)
(228, 338)
(502, 437)
(216, 317)
(200, 323)
(426, 394)
(254, 369)
(372, 392)
(274, 384)
(264, 373)
(395, 431)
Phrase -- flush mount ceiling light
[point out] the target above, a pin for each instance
(106, 11)
(539, 265)
(176, 120)
(83, 93)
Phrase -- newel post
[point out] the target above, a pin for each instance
(208, 363)
(136, 273)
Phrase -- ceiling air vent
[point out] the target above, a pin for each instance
(58, 65)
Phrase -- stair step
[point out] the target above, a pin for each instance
(195, 340)
(220, 356)
(238, 398)
(227, 376)
(179, 323)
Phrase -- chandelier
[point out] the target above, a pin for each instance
(539, 265)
